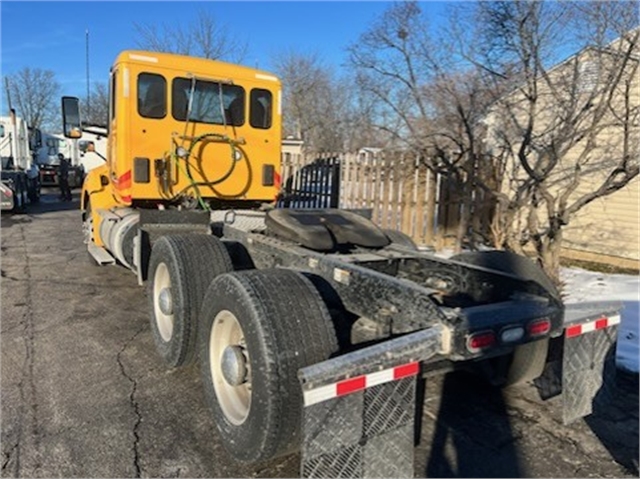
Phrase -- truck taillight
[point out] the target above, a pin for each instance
(482, 340)
(539, 327)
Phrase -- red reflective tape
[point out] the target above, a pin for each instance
(574, 331)
(406, 370)
(277, 180)
(349, 386)
(602, 323)
(124, 181)
(126, 199)
(126, 176)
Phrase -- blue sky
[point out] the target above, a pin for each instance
(51, 35)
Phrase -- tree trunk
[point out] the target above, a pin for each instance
(549, 254)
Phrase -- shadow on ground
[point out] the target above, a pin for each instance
(615, 411)
(471, 431)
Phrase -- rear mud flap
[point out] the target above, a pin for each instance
(582, 361)
(359, 414)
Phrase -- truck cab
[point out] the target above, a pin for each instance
(20, 176)
(184, 132)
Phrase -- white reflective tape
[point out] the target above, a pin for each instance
(143, 58)
(260, 76)
(125, 81)
(320, 394)
(380, 377)
(279, 102)
(588, 327)
(613, 320)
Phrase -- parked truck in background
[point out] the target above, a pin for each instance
(83, 155)
(311, 327)
(19, 171)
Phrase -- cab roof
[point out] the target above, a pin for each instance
(195, 65)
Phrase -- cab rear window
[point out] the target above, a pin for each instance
(152, 95)
(261, 108)
(211, 102)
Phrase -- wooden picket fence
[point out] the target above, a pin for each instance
(399, 189)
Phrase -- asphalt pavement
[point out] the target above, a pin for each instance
(84, 393)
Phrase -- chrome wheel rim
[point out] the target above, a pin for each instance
(231, 381)
(163, 315)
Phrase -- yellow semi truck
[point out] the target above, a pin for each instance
(312, 327)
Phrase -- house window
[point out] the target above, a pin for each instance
(261, 107)
(152, 95)
(212, 102)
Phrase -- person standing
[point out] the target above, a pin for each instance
(63, 178)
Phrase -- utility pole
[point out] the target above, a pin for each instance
(88, 84)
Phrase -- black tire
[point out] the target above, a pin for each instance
(284, 326)
(528, 360)
(87, 230)
(34, 191)
(189, 263)
(401, 239)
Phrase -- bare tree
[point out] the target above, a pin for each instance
(34, 95)
(495, 109)
(95, 110)
(314, 104)
(568, 133)
(392, 62)
(204, 37)
(422, 100)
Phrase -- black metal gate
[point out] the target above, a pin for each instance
(315, 185)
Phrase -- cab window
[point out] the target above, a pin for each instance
(213, 102)
(261, 106)
(152, 95)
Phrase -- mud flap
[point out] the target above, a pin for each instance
(359, 409)
(584, 363)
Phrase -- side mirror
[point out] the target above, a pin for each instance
(71, 125)
(86, 146)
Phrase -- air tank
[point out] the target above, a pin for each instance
(118, 228)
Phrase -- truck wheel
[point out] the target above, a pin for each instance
(528, 360)
(87, 222)
(180, 270)
(32, 190)
(259, 327)
(400, 238)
